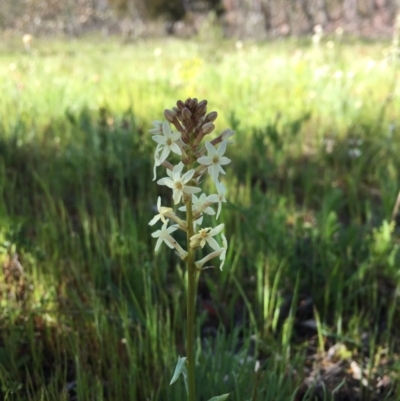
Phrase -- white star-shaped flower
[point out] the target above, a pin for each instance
(200, 204)
(206, 235)
(167, 142)
(157, 128)
(164, 235)
(162, 211)
(221, 252)
(226, 134)
(215, 159)
(178, 183)
(218, 198)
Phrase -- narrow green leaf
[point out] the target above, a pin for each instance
(180, 368)
(219, 397)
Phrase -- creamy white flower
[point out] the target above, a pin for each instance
(197, 205)
(226, 134)
(167, 142)
(206, 235)
(157, 128)
(178, 183)
(221, 252)
(215, 159)
(164, 235)
(218, 198)
(162, 211)
(201, 204)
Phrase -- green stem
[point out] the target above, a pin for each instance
(191, 301)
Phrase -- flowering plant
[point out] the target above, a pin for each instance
(192, 124)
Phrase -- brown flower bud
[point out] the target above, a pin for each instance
(201, 107)
(211, 117)
(186, 114)
(180, 104)
(170, 115)
(203, 103)
(193, 103)
(207, 128)
(178, 126)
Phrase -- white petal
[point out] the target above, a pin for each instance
(214, 244)
(227, 133)
(164, 154)
(217, 230)
(221, 170)
(222, 148)
(190, 190)
(166, 128)
(224, 241)
(166, 181)
(171, 229)
(176, 149)
(209, 210)
(178, 168)
(205, 160)
(175, 136)
(219, 209)
(159, 139)
(154, 221)
(156, 234)
(221, 190)
(158, 244)
(177, 195)
(155, 171)
(168, 243)
(158, 149)
(213, 198)
(224, 160)
(196, 202)
(187, 176)
(198, 221)
(222, 258)
(210, 148)
(213, 170)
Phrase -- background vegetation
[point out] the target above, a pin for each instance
(310, 289)
(245, 18)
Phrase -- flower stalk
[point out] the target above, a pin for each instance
(192, 124)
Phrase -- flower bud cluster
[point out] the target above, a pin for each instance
(192, 124)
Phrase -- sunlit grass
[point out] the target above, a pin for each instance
(316, 173)
(337, 83)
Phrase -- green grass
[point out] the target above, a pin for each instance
(98, 313)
